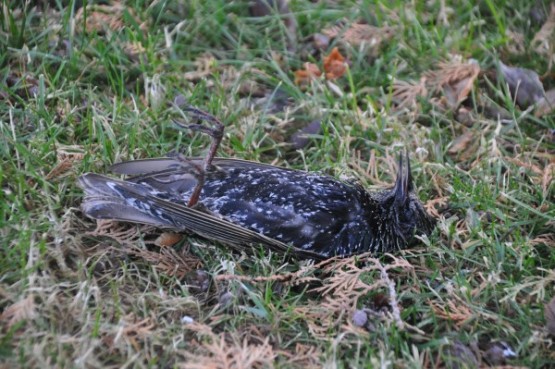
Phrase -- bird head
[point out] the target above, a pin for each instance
(403, 208)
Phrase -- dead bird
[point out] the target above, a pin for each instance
(244, 203)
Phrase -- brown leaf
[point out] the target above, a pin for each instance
(102, 19)
(168, 239)
(301, 138)
(455, 79)
(461, 143)
(543, 41)
(219, 354)
(358, 35)
(549, 313)
(517, 46)
(334, 64)
(431, 204)
(459, 356)
(546, 105)
(405, 94)
(310, 71)
(24, 309)
(455, 311)
(205, 65)
(465, 146)
(524, 84)
(167, 261)
(544, 239)
(67, 156)
(62, 167)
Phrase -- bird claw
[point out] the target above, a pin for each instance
(216, 133)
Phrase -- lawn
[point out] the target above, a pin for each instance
(87, 85)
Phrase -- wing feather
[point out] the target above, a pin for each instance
(108, 198)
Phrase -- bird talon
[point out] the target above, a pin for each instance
(216, 133)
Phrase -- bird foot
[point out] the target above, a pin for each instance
(216, 133)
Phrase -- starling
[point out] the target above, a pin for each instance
(244, 203)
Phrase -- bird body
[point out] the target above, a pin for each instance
(245, 203)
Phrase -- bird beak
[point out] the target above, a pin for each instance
(403, 184)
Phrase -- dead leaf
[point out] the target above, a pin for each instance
(67, 156)
(517, 45)
(544, 239)
(334, 64)
(543, 41)
(524, 84)
(103, 19)
(304, 356)
(60, 168)
(132, 327)
(24, 309)
(431, 204)
(457, 312)
(461, 143)
(205, 65)
(301, 138)
(168, 239)
(263, 8)
(465, 116)
(219, 354)
(310, 71)
(547, 177)
(549, 313)
(455, 79)
(167, 260)
(458, 356)
(465, 146)
(320, 41)
(546, 105)
(134, 50)
(360, 35)
(405, 94)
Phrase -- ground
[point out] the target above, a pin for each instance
(82, 89)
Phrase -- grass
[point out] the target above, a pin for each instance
(74, 294)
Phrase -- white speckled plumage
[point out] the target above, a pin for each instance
(312, 215)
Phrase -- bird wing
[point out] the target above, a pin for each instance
(108, 198)
(169, 164)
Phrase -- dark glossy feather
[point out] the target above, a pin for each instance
(310, 215)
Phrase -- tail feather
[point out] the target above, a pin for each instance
(103, 201)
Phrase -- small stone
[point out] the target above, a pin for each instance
(458, 356)
(225, 299)
(498, 353)
(360, 318)
(187, 320)
(198, 281)
(321, 41)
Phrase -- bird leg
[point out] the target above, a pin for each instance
(216, 133)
